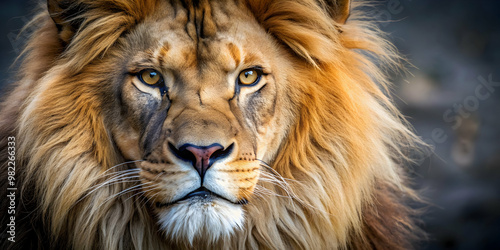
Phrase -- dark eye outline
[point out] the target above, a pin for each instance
(160, 84)
(257, 69)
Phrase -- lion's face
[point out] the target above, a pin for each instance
(203, 104)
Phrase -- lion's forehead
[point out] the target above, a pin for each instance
(200, 44)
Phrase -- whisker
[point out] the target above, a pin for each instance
(142, 191)
(284, 183)
(127, 190)
(121, 164)
(268, 192)
(152, 187)
(148, 199)
(120, 176)
(119, 172)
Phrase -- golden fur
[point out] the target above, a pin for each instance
(318, 153)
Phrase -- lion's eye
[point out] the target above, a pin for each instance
(249, 77)
(150, 77)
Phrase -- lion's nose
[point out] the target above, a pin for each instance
(202, 157)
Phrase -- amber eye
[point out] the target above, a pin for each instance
(150, 77)
(249, 76)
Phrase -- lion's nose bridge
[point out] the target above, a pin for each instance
(201, 127)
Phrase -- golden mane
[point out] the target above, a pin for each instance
(341, 159)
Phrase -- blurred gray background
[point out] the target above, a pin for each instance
(452, 98)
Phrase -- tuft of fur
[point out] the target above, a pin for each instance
(341, 184)
(190, 221)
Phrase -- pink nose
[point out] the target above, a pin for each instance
(202, 157)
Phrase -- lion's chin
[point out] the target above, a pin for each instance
(210, 219)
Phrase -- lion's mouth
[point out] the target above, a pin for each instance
(200, 194)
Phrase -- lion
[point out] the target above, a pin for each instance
(183, 124)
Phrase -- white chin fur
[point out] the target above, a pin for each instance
(194, 218)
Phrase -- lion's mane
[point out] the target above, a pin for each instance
(341, 159)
